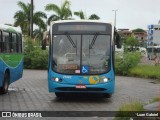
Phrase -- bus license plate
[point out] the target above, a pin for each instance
(80, 86)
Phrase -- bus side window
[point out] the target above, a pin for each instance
(1, 42)
(19, 43)
(13, 48)
(6, 47)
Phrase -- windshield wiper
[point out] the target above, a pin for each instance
(70, 39)
(93, 41)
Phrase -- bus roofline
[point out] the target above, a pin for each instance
(95, 21)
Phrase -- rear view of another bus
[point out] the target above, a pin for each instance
(11, 57)
(81, 58)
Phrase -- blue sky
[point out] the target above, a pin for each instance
(131, 13)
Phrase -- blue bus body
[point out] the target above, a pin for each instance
(64, 76)
(11, 57)
(15, 72)
(70, 81)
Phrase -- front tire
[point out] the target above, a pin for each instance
(107, 95)
(59, 94)
(5, 86)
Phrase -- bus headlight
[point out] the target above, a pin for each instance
(106, 79)
(57, 79)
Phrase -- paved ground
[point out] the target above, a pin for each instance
(31, 94)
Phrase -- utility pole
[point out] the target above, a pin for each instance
(31, 20)
(115, 17)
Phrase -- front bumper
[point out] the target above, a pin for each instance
(96, 88)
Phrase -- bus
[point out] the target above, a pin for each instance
(81, 58)
(11, 57)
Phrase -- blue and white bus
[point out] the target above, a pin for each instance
(11, 57)
(81, 57)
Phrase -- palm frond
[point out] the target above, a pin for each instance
(40, 14)
(53, 18)
(80, 14)
(53, 7)
(66, 13)
(22, 5)
(66, 4)
(19, 14)
(39, 22)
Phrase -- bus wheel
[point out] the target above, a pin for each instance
(5, 84)
(59, 94)
(107, 95)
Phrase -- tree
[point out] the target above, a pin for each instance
(81, 15)
(61, 13)
(138, 30)
(38, 19)
(132, 42)
(22, 18)
(94, 17)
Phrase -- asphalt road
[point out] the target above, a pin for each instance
(31, 94)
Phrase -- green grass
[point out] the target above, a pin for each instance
(126, 109)
(156, 99)
(146, 71)
(136, 106)
(123, 112)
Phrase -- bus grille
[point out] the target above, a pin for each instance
(74, 89)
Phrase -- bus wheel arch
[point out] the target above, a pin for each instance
(107, 95)
(6, 81)
(60, 94)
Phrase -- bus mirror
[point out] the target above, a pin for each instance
(118, 41)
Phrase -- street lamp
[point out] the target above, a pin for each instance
(115, 17)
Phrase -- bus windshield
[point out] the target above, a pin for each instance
(73, 52)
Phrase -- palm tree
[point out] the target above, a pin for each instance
(38, 19)
(61, 13)
(81, 15)
(22, 18)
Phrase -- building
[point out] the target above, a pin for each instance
(154, 34)
(125, 33)
(140, 36)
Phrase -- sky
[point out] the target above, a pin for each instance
(131, 14)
